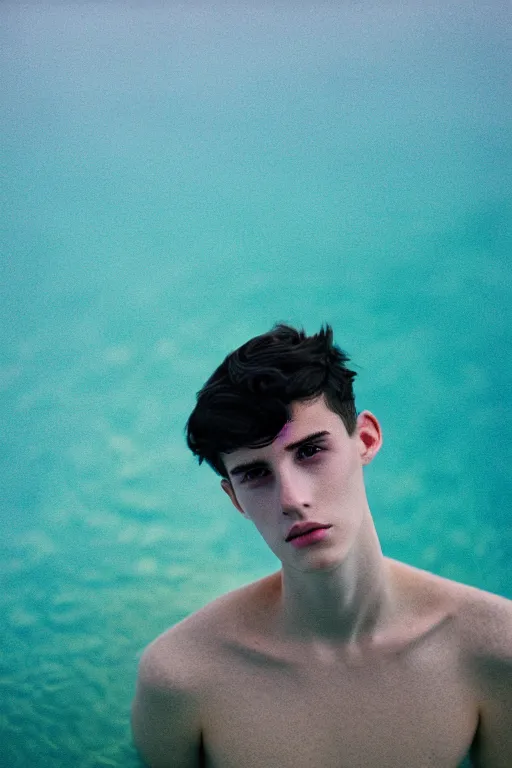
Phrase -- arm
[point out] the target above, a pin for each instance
(492, 747)
(165, 716)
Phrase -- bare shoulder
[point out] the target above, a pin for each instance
(485, 624)
(179, 653)
(483, 628)
(482, 620)
(174, 671)
(166, 709)
(485, 631)
(172, 660)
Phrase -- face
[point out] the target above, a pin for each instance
(313, 471)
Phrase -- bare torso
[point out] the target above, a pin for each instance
(403, 702)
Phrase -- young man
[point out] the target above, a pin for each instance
(344, 658)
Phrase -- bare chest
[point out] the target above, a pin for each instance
(264, 710)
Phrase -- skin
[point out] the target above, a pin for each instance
(343, 658)
(340, 590)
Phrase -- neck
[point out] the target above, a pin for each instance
(345, 605)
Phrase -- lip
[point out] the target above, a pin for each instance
(308, 539)
(300, 529)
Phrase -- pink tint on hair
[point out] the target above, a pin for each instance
(283, 433)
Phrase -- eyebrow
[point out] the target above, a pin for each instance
(240, 468)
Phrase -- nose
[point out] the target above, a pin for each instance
(294, 491)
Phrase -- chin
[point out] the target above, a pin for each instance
(325, 561)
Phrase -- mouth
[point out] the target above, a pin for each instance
(311, 537)
(304, 531)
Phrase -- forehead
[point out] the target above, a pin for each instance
(309, 416)
(306, 418)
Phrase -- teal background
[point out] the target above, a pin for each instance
(176, 180)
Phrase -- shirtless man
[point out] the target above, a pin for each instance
(344, 658)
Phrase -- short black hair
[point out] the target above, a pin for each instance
(246, 401)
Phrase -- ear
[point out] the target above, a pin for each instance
(369, 436)
(228, 488)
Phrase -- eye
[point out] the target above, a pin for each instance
(253, 474)
(309, 450)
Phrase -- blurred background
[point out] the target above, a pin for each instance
(176, 179)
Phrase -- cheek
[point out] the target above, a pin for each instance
(257, 507)
(338, 479)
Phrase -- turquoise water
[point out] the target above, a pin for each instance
(176, 181)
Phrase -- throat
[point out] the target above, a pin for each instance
(340, 607)
(385, 614)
